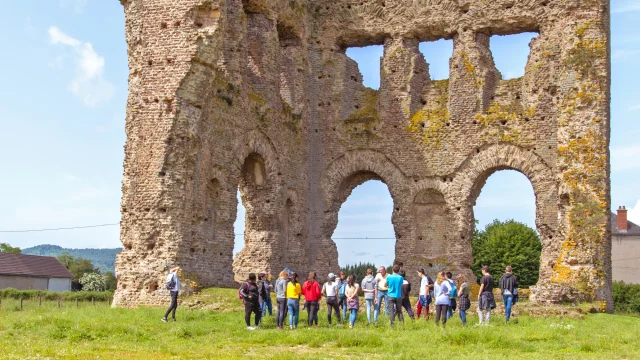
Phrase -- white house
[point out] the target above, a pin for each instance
(31, 272)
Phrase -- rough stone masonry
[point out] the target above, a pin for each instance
(258, 95)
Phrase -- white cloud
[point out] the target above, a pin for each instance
(625, 158)
(634, 108)
(77, 5)
(88, 84)
(626, 8)
(634, 213)
(58, 37)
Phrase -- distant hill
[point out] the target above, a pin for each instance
(104, 259)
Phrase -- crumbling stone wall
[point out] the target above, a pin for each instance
(259, 95)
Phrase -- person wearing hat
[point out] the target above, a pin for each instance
(330, 290)
(368, 286)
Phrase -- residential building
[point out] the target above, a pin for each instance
(625, 248)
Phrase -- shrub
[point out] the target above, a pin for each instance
(11, 293)
(626, 297)
(93, 282)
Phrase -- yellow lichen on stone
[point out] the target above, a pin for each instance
(365, 119)
(430, 121)
(505, 122)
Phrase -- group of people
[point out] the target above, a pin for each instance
(342, 292)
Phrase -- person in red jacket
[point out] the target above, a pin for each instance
(311, 292)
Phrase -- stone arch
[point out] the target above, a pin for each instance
(340, 178)
(257, 142)
(257, 177)
(472, 176)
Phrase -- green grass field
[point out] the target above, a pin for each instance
(97, 331)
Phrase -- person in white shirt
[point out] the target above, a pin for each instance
(381, 293)
(330, 290)
(424, 298)
(173, 278)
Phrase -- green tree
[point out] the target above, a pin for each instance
(111, 281)
(93, 282)
(359, 270)
(6, 248)
(508, 243)
(77, 266)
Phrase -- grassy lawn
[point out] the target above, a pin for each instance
(97, 331)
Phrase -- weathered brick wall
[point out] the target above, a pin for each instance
(259, 95)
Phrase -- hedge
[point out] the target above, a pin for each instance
(11, 293)
(626, 297)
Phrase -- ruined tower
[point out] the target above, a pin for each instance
(258, 95)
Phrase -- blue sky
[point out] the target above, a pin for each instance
(63, 104)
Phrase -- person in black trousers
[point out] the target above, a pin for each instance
(251, 298)
(406, 290)
(173, 285)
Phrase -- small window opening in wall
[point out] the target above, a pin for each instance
(368, 59)
(437, 54)
(510, 53)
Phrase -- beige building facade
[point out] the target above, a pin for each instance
(625, 248)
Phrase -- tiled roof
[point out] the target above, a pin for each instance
(633, 229)
(32, 265)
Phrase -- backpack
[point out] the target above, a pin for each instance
(171, 283)
(454, 291)
(240, 290)
(341, 292)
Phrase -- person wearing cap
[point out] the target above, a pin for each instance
(368, 286)
(330, 290)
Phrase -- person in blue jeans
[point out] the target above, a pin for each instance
(381, 293)
(509, 287)
(463, 298)
(351, 294)
(294, 290)
(452, 295)
(368, 286)
(342, 299)
(265, 301)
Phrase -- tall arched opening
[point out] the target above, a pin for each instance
(364, 232)
(255, 192)
(491, 160)
(506, 233)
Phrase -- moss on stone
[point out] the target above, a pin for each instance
(430, 122)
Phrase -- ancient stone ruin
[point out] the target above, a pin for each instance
(259, 95)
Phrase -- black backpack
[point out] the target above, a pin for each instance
(171, 283)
